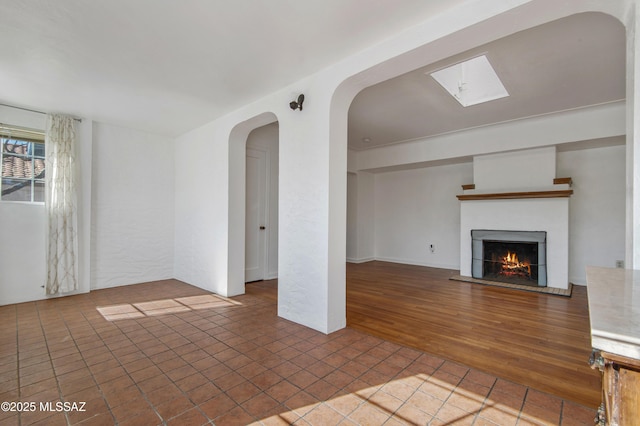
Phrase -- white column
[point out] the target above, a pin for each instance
(304, 250)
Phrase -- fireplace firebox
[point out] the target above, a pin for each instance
(517, 257)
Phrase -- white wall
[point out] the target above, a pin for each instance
(416, 208)
(515, 170)
(360, 216)
(22, 233)
(201, 216)
(210, 205)
(23, 225)
(352, 217)
(366, 244)
(125, 217)
(266, 139)
(596, 208)
(405, 242)
(133, 207)
(22, 252)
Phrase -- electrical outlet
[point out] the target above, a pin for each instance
(619, 263)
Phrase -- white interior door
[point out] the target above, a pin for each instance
(256, 214)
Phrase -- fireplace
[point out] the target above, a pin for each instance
(517, 257)
(514, 195)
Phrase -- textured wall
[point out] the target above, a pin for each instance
(22, 228)
(596, 209)
(133, 207)
(416, 208)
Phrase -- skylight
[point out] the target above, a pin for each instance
(471, 82)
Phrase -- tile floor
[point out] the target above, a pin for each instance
(169, 353)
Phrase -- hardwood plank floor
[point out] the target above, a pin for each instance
(538, 340)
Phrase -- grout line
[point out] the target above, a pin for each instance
(98, 385)
(230, 329)
(44, 337)
(18, 360)
(524, 401)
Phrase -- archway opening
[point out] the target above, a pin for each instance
(237, 199)
(261, 207)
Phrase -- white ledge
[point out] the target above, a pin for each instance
(614, 310)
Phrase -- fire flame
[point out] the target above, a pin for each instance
(512, 266)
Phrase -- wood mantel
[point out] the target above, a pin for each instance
(563, 181)
(516, 195)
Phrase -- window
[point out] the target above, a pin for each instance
(22, 164)
(471, 82)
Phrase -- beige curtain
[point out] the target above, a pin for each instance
(61, 205)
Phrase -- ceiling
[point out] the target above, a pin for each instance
(566, 64)
(169, 66)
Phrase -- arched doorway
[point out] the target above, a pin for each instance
(261, 207)
(237, 199)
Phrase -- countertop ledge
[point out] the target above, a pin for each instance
(614, 310)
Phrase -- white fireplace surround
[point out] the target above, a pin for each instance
(547, 214)
(518, 214)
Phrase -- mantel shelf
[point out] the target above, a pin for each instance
(516, 195)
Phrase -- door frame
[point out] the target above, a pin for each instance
(265, 191)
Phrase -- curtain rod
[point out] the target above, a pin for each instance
(79, 120)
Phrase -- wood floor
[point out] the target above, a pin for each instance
(537, 340)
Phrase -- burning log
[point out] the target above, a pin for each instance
(511, 266)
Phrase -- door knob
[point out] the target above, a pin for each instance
(262, 228)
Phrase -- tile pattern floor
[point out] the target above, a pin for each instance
(168, 353)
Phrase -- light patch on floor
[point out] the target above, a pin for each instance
(422, 399)
(164, 307)
(161, 307)
(206, 301)
(119, 312)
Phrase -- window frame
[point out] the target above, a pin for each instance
(20, 136)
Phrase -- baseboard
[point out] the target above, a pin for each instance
(363, 260)
(416, 263)
(578, 281)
